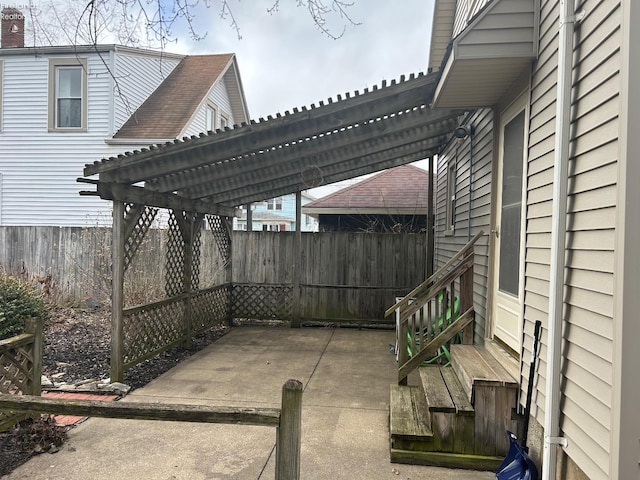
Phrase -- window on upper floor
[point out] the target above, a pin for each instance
(68, 94)
(224, 121)
(274, 204)
(211, 118)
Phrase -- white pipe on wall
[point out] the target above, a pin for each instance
(558, 238)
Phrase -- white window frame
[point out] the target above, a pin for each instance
(1, 103)
(224, 121)
(211, 114)
(55, 65)
(274, 203)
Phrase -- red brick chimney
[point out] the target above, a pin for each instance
(12, 28)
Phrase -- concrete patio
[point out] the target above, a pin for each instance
(346, 374)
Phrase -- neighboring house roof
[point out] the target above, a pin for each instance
(400, 190)
(166, 112)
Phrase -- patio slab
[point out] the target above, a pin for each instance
(346, 374)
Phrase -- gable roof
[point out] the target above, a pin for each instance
(166, 112)
(402, 189)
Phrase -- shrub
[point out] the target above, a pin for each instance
(19, 301)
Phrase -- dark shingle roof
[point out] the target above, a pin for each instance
(405, 186)
(170, 107)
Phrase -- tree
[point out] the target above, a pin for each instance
(152, 23)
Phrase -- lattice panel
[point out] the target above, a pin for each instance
(143, 219)
(209, 307)
(174, 273)
(151, 329)
(263, 302)
(16, 376)
(197, 247)
(218, 226)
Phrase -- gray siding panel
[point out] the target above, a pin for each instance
(449, 245)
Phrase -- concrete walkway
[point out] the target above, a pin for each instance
(346, 374)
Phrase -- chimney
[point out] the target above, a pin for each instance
(12, 35)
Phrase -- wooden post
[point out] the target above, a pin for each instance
(228, 223)
(249, 218)
(297, 270)
(289, 432)
(117, 292)
(187, 241)
(466, 298)
(403, 355)
(34, 327)
(430, 223)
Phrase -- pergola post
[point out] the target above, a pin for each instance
(297, 271)
(228, 223)
(249, 218)
(187, 238)
(117, 291)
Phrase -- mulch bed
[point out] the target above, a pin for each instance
(77, 346)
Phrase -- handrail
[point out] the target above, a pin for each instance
(416, 291)
(286, 419)
(436, 313)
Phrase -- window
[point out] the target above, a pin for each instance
(224, 121)
(451, 199)
(274, 204)
(68, 94)
(211, 118)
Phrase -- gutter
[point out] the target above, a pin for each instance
(552, 439)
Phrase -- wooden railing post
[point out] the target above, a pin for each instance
(403, 354)
(289, 432)
(34, 327)
(466, 299)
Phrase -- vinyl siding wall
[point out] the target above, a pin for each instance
(587, 367)
(39, 169)
(137, 77)
(466, 10)
(449, 245)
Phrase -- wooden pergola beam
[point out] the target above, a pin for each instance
(139, 195)
(340, 168)
(199, 151)
(233, 172)
(272, 190)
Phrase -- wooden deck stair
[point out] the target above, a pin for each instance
(457, 415)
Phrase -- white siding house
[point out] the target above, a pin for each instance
(40, 161)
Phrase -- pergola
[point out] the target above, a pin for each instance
(208, 176)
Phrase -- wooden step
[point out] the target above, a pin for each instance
(452, 416)
(493, 393)
(474, 365)
(409, 421)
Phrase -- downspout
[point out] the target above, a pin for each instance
(471, 131)
(558, 238)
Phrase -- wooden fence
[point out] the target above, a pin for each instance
(20, 367)
(287, 419)
(342, 276)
